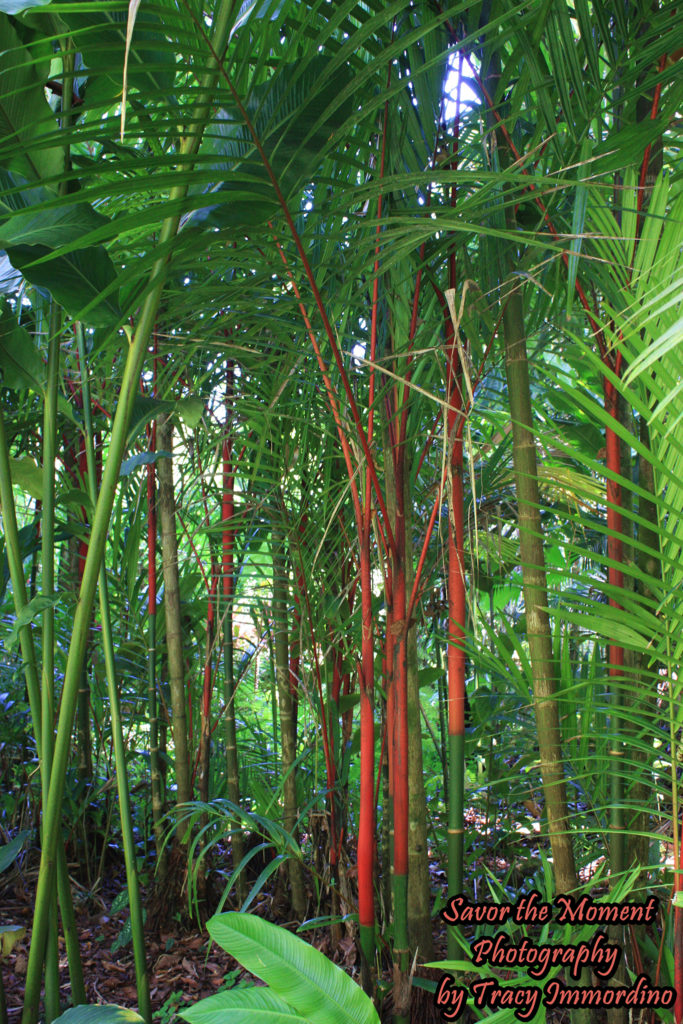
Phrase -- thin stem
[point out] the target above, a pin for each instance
(127, 828)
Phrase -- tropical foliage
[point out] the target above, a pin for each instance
(340, 349)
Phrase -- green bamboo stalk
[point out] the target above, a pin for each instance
(13, 550)
(153, 714)
(172, 613)
(129, 389)
(127, 832)
(68, 52)
(287, 727)
(52, 1007)
(419, 895)
(534, 587)
(532, 555)
(443, 732)
(35, 702)
(535, 593)
(49, 447)
(34, 690)
(532, 558)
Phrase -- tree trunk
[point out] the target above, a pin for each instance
(174, 640)
(287, 725)
(532, 557)
(535, 591)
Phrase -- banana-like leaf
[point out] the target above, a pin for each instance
(10, 851)
(27, 475)
(59, 226)
(20, 363)
(315, 987)
(25, 116)
(82, 281)
(29, 613)
(108, 1014)
(243, 1006)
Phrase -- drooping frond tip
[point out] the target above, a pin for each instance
(133, 6)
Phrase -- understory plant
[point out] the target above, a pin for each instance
(302, 985)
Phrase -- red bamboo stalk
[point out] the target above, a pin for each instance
(366, 819)
(648, 148)
(457, 588)
(457, 611)
(329, 388)
(327, 326)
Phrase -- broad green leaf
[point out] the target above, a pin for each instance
(77, 280)
(299, 974)
(428, 676)
(190, 411)
(145, 409)
(74, 496)
(26, 120)
(241, 1006)
(20, 362)
(29, 613)
(108, 1014)
(10, 851)
(347, 701)
(120, 901)
(124, 936)
(27, 475)
(55, 227)
(28, 543)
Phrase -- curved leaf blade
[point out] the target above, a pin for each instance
(241, 1005)
(301, 975)
(100, 1015)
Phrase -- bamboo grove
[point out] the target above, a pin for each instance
(340, 350)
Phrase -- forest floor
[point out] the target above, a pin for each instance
(183, 968)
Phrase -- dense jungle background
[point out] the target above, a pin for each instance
(341, 486)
